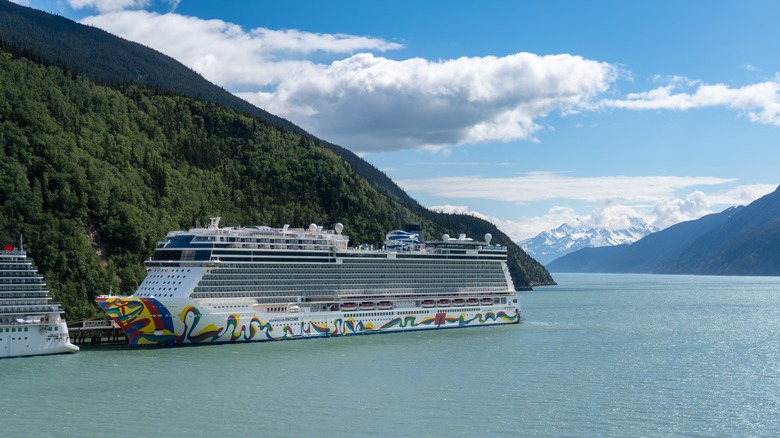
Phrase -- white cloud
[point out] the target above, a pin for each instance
(529, 226)
(104, 6)
(548, 186)
(227, 54)
(372, 103)
(520, 229)
(613, 217)
(760, 102)
(109, 6)
(672, 211)
(741, 195)
(667, 212)
(368, 102)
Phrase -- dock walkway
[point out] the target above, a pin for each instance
(96, 332)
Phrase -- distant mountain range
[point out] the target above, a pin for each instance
(737, 241)
(568, 238)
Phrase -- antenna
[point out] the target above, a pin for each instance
(21, 242)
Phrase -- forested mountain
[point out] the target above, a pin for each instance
(737, 241)
(111, 60)
(94, 172)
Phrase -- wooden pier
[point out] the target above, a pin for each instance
(96, 333)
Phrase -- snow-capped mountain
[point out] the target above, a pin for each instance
(549, 245)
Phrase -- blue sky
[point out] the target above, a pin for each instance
(527, 113)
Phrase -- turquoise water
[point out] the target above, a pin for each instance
(609, 355)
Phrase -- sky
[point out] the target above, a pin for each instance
(529, 114)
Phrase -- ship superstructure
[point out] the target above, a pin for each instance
(259, 283)
(31, 323)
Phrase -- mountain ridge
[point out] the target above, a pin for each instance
(740, 240)
(568, 238)
(740, 246)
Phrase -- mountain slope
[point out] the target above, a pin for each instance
(549, 245)
(747, 244)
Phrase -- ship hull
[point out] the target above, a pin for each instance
(35, 340)
(151, 322)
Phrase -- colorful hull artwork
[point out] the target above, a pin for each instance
(147, 322)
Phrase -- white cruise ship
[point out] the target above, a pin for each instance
(30, 323)
(238, 284)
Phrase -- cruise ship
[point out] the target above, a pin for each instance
(239, 284)
(31, 323)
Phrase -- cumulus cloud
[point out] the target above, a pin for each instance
(373, 103)
(667, 212)
(760, 102)
(369, 102)
(672, 211)
(613, 217)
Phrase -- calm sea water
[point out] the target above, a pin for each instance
(609, 355)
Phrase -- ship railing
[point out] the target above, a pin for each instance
(20, 322)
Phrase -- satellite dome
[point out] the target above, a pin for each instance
(312, 228)
(339, 228)
(488, 236)
(445, 237)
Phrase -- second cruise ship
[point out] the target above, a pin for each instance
(31, 324)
